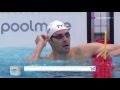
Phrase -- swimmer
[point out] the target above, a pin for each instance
(59, 38)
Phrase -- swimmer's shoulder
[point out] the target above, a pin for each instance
(75, 50)
(79, 49)
(49, 56)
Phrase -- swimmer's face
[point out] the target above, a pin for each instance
(60, 41)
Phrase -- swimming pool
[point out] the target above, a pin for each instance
(18, 57)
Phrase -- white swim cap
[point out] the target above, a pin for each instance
(55, 26)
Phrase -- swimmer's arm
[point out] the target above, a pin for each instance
(114, 49)
(37, 53)
(111, 49)
(88, 50)
(114, 53)
(40, 41)
(91, 49)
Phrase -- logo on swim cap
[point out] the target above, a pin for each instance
(54, 27)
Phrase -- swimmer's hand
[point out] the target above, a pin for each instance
(102, 51)
(41, 40)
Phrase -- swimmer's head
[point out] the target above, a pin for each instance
(54, 27)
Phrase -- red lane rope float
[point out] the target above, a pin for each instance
(104, 67)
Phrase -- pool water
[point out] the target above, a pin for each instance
(19, 57)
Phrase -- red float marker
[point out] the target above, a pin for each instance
(104, 69)
(104, 66)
